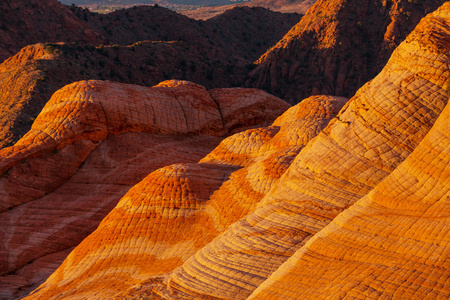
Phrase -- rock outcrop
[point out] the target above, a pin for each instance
(337, 47)
(393, 243)
(90, 144)
(215, 54)
(177, 210)
(376, 131)
(356, 206)
(243, 225)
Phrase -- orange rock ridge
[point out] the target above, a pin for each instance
(337, 47)
(379, 127)
(90, 144)
(355, 206)
(177, 210)
(392, 243)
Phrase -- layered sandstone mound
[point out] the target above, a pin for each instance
(393, 243)
(90, 144)
(177, 210)
(337, 47)
(29, 79)
(378, 128)
(156, 44)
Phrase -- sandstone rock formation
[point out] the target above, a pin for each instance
(92, 142)
(365, 199)
(337, 47)
(393, 243)
(178, 209)
(379, 127)
(214, 54)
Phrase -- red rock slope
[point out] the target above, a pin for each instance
(90, 144)
(379, 127)
(178, 209)
(337, 47)
(368, 140)
(394, 243)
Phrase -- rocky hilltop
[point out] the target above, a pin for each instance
(143, 49)
(239, 33)
(335, 199)
(337, 47)
(92, 142)
(27, 22)
(284, 6)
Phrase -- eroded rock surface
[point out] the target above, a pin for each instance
(172, 236)
(378, 128)
(90, 144)
(178, 209)
(393, 243)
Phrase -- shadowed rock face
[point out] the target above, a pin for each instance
(24, 22)
(337, 47)
(90, 144)
(177, 210)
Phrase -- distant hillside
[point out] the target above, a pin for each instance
(284, 6)
(138, 47)
(241, 33)
(140, 2)
(27, 22)
(337, 47)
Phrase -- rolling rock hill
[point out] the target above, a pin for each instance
(337, 47)
(335, 199)
(91, 143)
(143, 50)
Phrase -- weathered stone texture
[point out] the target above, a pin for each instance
(90, 144)
(379, 127)
(178, 209)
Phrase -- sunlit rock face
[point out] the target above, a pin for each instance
(392, 243)
(91, 143)
(373, 134)
(178, 209)
(362, 196)
(337, 47)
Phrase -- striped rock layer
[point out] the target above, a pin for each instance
(373, 134)
(402, 223)
(393, 243)
(178, 209)
(90, 144)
